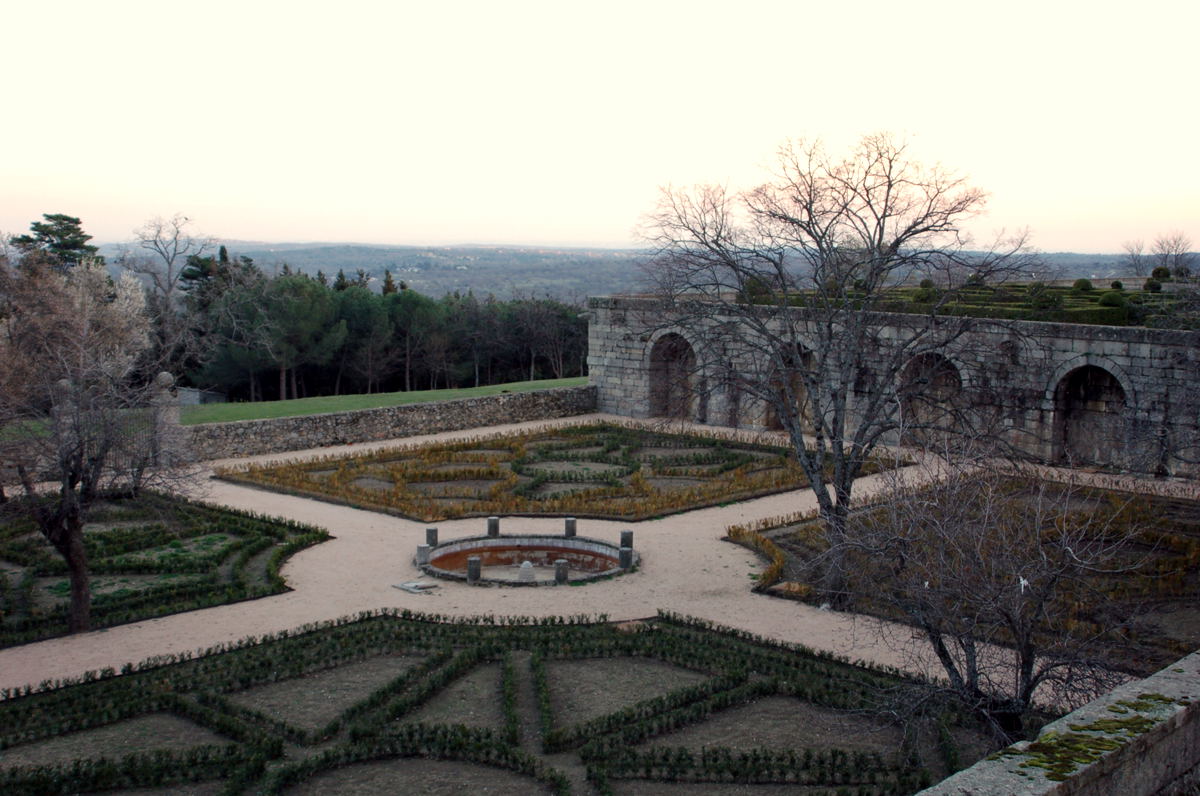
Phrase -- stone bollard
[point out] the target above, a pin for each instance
(569, 527)
(626, 538)
(626, 558)
(474, 568)
(422, 554)
(431, 537)
(493, 526)
(560, 570)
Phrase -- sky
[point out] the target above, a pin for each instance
(558, 123)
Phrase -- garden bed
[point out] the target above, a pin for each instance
(400, 702)
(147, 557)
(601, 471)
(1155, 577)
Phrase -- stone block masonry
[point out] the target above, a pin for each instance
(252, 437)
(1121, 397)
(1142, 739)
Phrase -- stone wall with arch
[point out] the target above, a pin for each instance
(1019, 371)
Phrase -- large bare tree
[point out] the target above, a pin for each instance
(782, 286)
(76, 422)
(1001, 573)
(163, 249)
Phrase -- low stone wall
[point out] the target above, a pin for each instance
(1143, 739)
(252, 437)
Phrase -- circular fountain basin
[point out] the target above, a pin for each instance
(501, 558)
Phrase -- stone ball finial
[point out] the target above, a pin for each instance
(63, 385)
(164, 381)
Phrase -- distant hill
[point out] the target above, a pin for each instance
(1068, 265)
(507, 271)
(504, 271)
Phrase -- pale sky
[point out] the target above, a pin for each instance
(515, 122)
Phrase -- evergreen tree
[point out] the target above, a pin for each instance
(58, 240)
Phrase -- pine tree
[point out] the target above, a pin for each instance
(59, 239)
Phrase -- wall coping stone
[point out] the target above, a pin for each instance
(1152, 724)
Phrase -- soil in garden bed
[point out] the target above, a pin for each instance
(470, 700)
(140, 734)
(584, 689)
(178, 789)
(414, 775)
(311, 701)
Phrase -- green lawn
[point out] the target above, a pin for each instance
(223, 413)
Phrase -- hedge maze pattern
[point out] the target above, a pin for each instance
(600, 470)
(249, 700)
(147, 557)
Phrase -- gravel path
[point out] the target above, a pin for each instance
(686, 568)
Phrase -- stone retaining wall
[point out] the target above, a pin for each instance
(1153, 726)
(250, 437)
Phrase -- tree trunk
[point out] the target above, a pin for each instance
(70, 545)
(283, 384)
(833, 575)
(407, 364)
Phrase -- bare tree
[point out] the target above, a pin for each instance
(1135, 257)
(163, 249)
(71, 410)
(1172, 252)
(783, 286)
(1000, 573)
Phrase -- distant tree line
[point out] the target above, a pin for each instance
(220, 322)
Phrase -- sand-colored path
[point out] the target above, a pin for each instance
(686, 568)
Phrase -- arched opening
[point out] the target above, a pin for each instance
(788, 389)
(672, 363)
(930, 386)
(1089, 405)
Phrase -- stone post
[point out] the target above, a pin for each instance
(626, 558)
(493, 526)
(431, 537)
(560, 570)
(569, 527)
(626, 538)
(422, 554)
(474, 568)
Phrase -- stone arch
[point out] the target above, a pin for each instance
(1096, 360)
(1090, 404)
(672, 367)
(792, 359)
(931, 389)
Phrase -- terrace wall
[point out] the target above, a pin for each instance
(1019, 370)
(250, 437)
(1161, 760)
